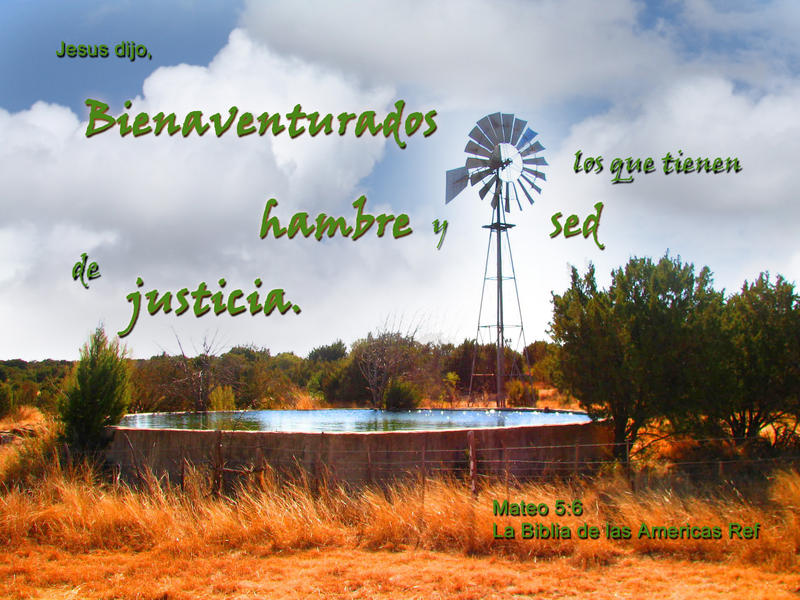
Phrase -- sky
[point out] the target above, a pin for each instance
(635, 79)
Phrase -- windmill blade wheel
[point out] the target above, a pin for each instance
(501, 150)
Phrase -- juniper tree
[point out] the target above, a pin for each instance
(98, 395)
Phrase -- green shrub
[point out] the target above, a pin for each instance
(519, 393)
(6, 399)
(401, 395)
(450, 381)
(222, 398)
(98, 395)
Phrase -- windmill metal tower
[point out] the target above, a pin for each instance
(502, 159)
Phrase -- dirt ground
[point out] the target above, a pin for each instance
(46, 572)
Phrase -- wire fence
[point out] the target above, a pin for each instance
(229, 459)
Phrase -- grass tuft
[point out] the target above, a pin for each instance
(79, 509)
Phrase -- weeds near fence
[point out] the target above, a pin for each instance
(80, 508)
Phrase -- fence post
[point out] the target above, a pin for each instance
(505, 463)
(423, 477)
(259, 463)
(424, 468)
(68, 456)
(183, 464)
(473, 463)
(318, 473)
(134, 463)
(369, 461)
(218, 464)
(577, 458)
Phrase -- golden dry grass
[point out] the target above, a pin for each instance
(303, 400)
(72, 531)
(37, 571)
(550, 398)
(23, 418)
(77, 511)
(30, 447)
(556, 399)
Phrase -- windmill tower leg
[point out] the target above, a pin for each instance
(497, 228)
(500, 339)
(502, 151)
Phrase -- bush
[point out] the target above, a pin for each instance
(222, 398)
(401, 395)
(6, 399)
(450, 381)
(519, 393)
(98, 395)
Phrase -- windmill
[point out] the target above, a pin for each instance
(502, 160)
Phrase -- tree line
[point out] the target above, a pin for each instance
(385, 369)
(660, 347)
(659, 350)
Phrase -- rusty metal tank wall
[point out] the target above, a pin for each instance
(521, 452)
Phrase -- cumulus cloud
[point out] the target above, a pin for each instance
(468, 52)
(180, 211)
(736, 223)
(175, 211)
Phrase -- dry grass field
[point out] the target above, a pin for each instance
(49, 572)
(75, 533)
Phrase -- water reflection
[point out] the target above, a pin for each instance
(343, 420)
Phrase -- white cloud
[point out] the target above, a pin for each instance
(180, 211)
(175, 211)
(468, 52)
(737, 223)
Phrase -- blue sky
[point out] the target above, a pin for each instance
(635, 79)
(34, 30)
